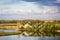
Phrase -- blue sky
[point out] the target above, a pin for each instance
(29, 9)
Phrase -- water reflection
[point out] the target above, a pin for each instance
(8, 30)
(16, 37)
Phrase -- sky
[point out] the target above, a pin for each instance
(30, 9)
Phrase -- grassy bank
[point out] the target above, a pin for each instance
(33, 34)
(34, 28)
(8, 33)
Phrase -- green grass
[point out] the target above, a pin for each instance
(8, 33)
(8, 24)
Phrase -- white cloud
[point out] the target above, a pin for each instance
(22, 7)
(50, 9)
(27, 7)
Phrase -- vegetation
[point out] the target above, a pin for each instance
(8, 33)
(36, 28)
(40, 28)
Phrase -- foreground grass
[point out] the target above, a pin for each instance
(8, 33)
(18, 33)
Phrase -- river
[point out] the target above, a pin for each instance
(8, 30)
(16, 37)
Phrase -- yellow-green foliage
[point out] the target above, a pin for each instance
(40, 28)
(37, 27)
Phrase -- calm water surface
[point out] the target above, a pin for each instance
(8, 30)
(16, 37)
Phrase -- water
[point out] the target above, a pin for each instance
(8, 30)
(16, 37)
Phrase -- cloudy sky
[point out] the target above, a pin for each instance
(29, 9)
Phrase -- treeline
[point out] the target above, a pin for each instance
(7, 21)
(26, 21)
(32, 22)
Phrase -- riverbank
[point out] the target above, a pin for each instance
(21, 34)
(8, 33)
(31, 27)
